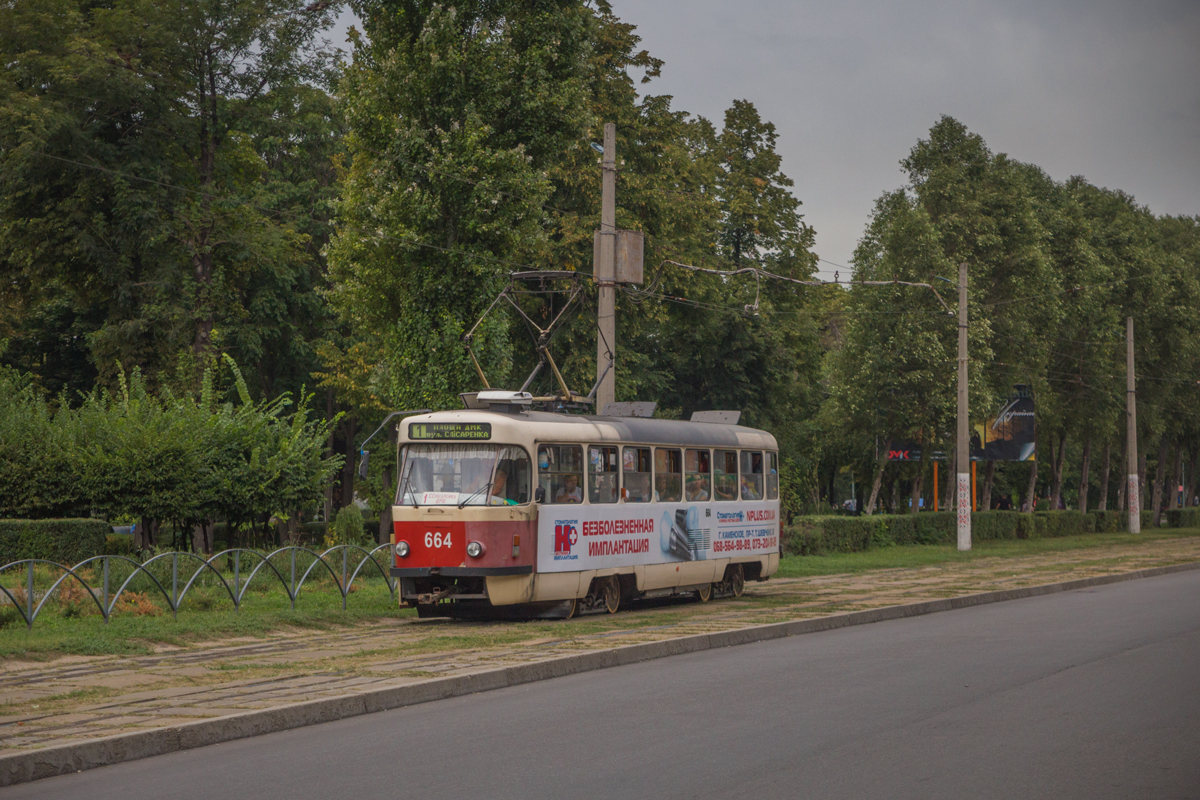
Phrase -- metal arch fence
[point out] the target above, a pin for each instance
(25, 599)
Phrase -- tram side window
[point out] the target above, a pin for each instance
(752, 475)
(602, 474)
(668, 475)
(635, 463)
(725, 479)
(560, 472)
(698, 475)
(772, 476)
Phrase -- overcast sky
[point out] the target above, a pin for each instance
(1107, 89)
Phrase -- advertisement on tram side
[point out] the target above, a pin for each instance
(595, 536)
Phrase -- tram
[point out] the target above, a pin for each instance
(501, 507)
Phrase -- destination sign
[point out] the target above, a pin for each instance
(450, 430)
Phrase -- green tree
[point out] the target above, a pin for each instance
(455, 116)
(137, 179)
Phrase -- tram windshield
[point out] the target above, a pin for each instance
(463, 475)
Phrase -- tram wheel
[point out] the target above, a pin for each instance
(737, 580)
(705, 593)
(612, 594)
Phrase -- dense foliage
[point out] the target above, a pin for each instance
(188, 460)
(191, 180)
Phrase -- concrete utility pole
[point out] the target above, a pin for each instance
(1132, 498)
(604, 271)
(964, 438)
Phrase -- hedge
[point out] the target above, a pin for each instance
(66, 541)
(816, 535)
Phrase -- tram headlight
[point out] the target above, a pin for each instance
(401, 549)
(475, 549)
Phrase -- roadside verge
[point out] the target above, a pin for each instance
(77, 756)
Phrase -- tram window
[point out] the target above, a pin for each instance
(668, 475)
(602, 474)
(698, 475)
(725, 481)
(463, 474)
(772, 476)
(510, 484)
(752, 475)
(636, 466)
(560, 472)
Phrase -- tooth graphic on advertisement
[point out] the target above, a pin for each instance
(698, 538)
(673, 539)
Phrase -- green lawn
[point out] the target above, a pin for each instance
(206, 614)
(927, 555)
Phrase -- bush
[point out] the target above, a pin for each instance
(9, 616)
(120, 544)
(347, 527)
(815, 535)
(1183, 518)
(65, 541)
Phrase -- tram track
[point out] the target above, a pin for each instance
(321, 666)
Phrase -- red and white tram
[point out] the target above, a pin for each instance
(560, 514)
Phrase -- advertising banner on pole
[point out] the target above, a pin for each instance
(1007, 435)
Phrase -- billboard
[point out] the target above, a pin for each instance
(1007, 435)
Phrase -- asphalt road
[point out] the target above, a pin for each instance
(1088, 694)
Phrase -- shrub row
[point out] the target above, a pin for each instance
(66, 541)
(816, 535)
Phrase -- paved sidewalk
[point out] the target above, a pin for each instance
(77, 698)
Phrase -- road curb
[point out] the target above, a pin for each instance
(76, 757)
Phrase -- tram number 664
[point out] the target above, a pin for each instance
(437, 539)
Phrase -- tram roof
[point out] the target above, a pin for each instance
(545, 426)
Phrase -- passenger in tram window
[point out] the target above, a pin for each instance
(748, 490)
(570, 492)
(696, 490)
(752, 475)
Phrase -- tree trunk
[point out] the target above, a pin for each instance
(202, 538)
(951, 481)
(893, 494)
(878, 482)
(919, 482)
(1104, 472)
(1056, 474)
(917, 485)
(989, 474)
(1189, 492)
(1160, 467)
(1028, 505)
(1085, 468)
(329, 454)
(1176, 477)
(201, 245)
(147, 534)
